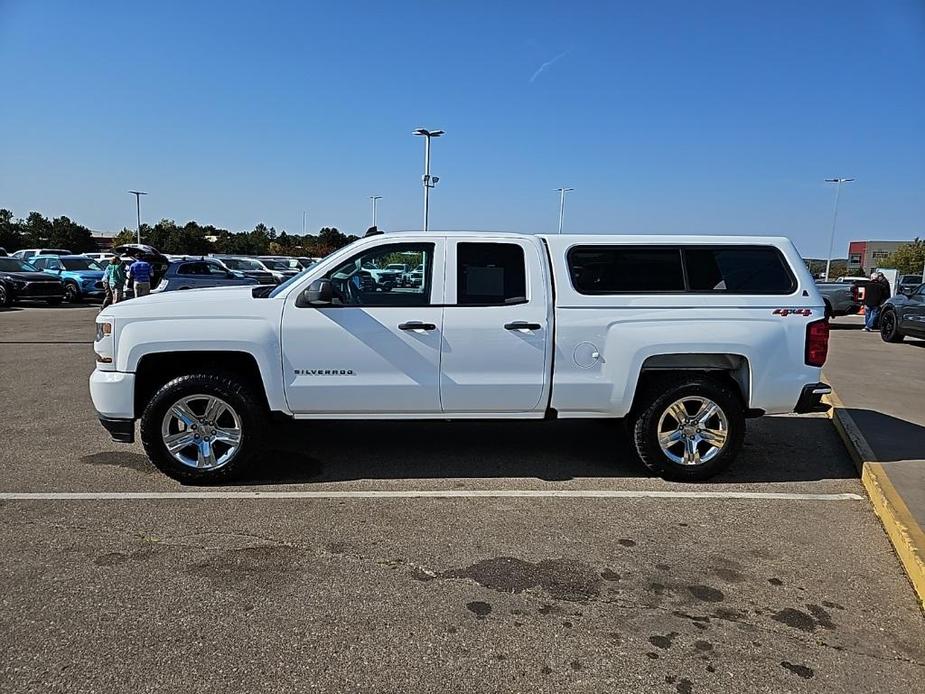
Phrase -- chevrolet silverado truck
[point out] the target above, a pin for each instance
(681, 337)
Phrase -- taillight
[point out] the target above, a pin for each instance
(817, 342)
(855, 297)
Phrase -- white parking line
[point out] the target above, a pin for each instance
(424, 494)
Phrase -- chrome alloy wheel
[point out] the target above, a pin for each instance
(692, 430)
(202, 431)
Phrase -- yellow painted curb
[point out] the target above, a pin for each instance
(904, 532)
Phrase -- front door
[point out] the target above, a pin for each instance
(376, 349)
(496, 328)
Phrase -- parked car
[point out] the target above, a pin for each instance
(282, 267)
(199, 274)
(841, 298)
(26, 253)
(20, 281)
(81, 276)
(903, 315)
(306, 262)
(683, 336)
(249, 268)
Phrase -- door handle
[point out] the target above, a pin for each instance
(417, 325)
(522, 325)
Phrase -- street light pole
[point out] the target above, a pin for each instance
(375, 199)
(837, 182)
(138, 194)
(428, 181)
(562, 192)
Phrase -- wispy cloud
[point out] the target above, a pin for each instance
(542, 68)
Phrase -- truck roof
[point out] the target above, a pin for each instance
(570, 239)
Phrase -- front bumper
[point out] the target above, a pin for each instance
(39, 290)
(811, 398)
(113, 394)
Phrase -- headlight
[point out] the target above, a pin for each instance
(103, 330)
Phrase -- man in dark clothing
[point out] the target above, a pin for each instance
(876, 293)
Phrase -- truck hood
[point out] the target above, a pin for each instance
(206, 303)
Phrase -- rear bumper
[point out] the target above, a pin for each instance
(811, 398)
(121, 430)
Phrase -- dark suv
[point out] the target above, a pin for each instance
(198, 274)
(19, 281)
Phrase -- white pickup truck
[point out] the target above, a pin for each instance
(683, 337)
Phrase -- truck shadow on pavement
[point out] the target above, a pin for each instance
(891, 439)
(777, 449)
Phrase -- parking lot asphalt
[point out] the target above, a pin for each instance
(351, 593)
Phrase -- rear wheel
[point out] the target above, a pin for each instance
(203, 428)
(889, 327)
(689, 428)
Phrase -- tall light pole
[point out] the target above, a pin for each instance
(837, 182)
(375, 199)
(138, 194)
(562, 192)
(428, 181)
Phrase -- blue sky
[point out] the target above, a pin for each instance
(666, 117)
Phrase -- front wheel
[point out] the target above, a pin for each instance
(689, 428)
(889, 327)
(6, 297)
(71, 293)
(203, 428)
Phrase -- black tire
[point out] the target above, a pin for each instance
(661, 393)
(829, 313)
(6, 296)
(72, 293)
(889, 327)
(247, 404)
(56, 301)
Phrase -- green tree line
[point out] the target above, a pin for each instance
(192, 238)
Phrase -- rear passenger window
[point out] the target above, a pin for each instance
(625, 269)
(759, 270)
(490, 273)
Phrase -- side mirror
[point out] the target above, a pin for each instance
(319, 293)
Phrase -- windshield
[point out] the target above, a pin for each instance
(15, 265)
(80, 264)
(282, 287)
(241, 264)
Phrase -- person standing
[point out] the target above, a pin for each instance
(875, 293)
(139, 273)
(117, 279)
(107, 288)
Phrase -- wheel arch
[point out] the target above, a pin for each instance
(157, 368)
(732, 369)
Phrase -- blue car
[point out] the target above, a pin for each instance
(81, 276)
(197, 274)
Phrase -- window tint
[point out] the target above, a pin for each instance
(193, 269)
(366, 280)
(615, 269)
(490, 273)
(738, 270)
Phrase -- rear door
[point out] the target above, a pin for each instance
(496, 327)
(376, 349)
(913, 313)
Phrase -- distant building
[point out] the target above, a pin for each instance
(866, 255)
(103, 240)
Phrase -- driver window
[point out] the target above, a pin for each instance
(397, 274)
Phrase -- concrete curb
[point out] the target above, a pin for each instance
(904, 532)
